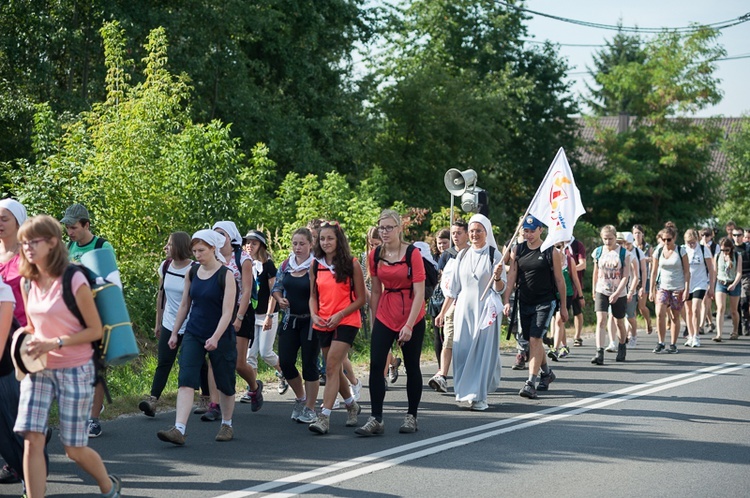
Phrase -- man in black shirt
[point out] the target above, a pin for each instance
(538, 275)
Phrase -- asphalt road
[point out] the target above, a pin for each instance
(657, 425)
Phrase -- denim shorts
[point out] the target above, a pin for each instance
(73, 389)
(723, 288)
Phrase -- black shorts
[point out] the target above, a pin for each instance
(575, 303)
(223, 361)
(618, 308)
(535, 318)
(247, 329)
(343, 333)
(698, 294)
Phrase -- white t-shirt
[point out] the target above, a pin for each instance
(6, 293)
(610, 270)
(174, 284)
(698, 273)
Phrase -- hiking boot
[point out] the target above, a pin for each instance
(520, 363)
(202, 406)
(307, 416)
(393, 371)
(552, 354)
(148, 406)
(226, 433)
(95, 428)
(410, 424)
(213, 414)
(320, 425)
(598, 358)
(255, 398)
(172, 435)
(438, 383)
(297, 410)
(672, 349)
(659, 348)
(115, 492)
(371, 428)
(622, 350)
(528, 391)
(351, 414)
(612, 348)
(283, 385)
(545, 381)
(8, 475)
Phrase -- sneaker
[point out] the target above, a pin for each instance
(322, 380)
(528, 391)
(148, 406)
(297, 410)
(371, 428)
(632, 342)
(213, 414)
(226, 433)
(320, 425)
(357, 390)
(393, 371)
(8, 475)
(410, 425)
(659, 348)
(612, 348)
(115, 492)
(564, 352)
(672, 349)
(172, 435)
(256, 397)
(202, 406)
(712, 328)
(578, 342)
(479, 406)
(351, 414)
(95, 428)
(598, 358)
(701, 330)
(689, 342)
(696, 342)
(336, 404)
(385, 382)
(438, 383)
(545, 381)
(520, 363)
(548, 340)
(552, 354)
(307, 416)
(283, 384)
(685, 332)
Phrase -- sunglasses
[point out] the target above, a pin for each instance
(726, 250)
(330, 224)
(667, 240)
(737, 234)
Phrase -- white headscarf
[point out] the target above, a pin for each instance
(231, 229)
(16, 208)
(213, 239)
(480, 218)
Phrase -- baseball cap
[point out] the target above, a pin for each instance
(75, 213)
(531, 223)
(628, 237)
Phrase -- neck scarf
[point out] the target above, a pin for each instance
(293, 267)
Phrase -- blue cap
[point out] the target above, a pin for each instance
(531, 223)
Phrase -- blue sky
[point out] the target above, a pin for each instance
(735, 74)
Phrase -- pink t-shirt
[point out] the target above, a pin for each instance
(51, 319)
(9, 272)
(394, 305)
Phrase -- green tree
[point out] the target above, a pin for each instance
(611, 97)
(659, 168)
(459, 88)
(736, 190)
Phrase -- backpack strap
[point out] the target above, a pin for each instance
(67, 291)
(99, 242)
(492, 257)
(705, 263)
(597, 254)
(374, 269)
(238, 258)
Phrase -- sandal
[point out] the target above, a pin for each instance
(578, 342)
(716, 339)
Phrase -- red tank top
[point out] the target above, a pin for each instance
(335, 296)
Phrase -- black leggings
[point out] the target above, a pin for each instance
(382, 341)
(295, 334)
(165, 362)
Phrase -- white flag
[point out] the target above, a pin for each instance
(491, 311)
(557, 203)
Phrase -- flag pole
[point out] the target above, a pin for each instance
(520, 223)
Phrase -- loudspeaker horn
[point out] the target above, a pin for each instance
(457, 182)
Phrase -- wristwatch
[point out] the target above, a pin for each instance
(240, 317)
(59, 343)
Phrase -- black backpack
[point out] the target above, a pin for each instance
(431, 273)
(97, 245)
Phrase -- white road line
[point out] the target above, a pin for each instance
(495, 428)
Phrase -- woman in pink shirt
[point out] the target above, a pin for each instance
(69, 373)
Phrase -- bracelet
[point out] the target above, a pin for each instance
(497, 279)
(59, 343)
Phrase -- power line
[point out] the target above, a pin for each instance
(632, 29)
